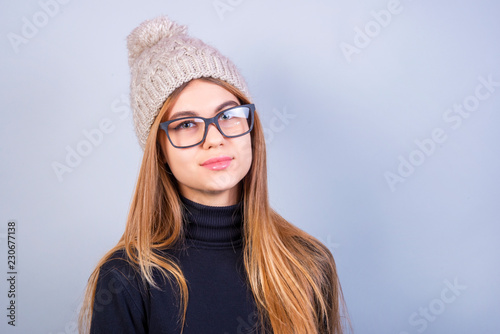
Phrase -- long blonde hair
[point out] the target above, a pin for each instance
(291, 274)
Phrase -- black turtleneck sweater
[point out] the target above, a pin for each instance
(211, 260)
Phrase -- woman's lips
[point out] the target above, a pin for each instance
(217, 163)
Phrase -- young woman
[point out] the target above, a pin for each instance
(202, 251)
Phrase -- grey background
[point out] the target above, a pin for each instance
(348, 122)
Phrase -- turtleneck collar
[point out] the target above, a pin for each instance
(213, 226)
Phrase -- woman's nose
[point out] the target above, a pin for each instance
(214, 137)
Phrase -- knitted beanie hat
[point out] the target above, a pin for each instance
(162, 57)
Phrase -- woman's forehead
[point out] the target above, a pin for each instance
(203, 98)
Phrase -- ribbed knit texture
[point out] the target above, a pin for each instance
(213, 226)
(162, 57)
(220, 301)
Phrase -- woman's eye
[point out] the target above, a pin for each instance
(226, 116)
(185, 125)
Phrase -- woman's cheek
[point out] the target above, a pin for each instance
(180, 162)
(245, 152)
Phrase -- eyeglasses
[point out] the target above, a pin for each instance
(190, 131)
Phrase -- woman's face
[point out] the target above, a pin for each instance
(216, 184)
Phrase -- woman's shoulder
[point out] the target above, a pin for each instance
(119, 280)
(118, 261)
(119, 270)
(120, 297)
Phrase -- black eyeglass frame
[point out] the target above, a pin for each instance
(208, 121)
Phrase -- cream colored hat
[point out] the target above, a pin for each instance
(162, 57)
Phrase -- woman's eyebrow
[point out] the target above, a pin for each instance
(220, 107)
(226, 104)
(180, 114)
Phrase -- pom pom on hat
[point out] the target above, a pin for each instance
(149, 33)
(162, 57)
